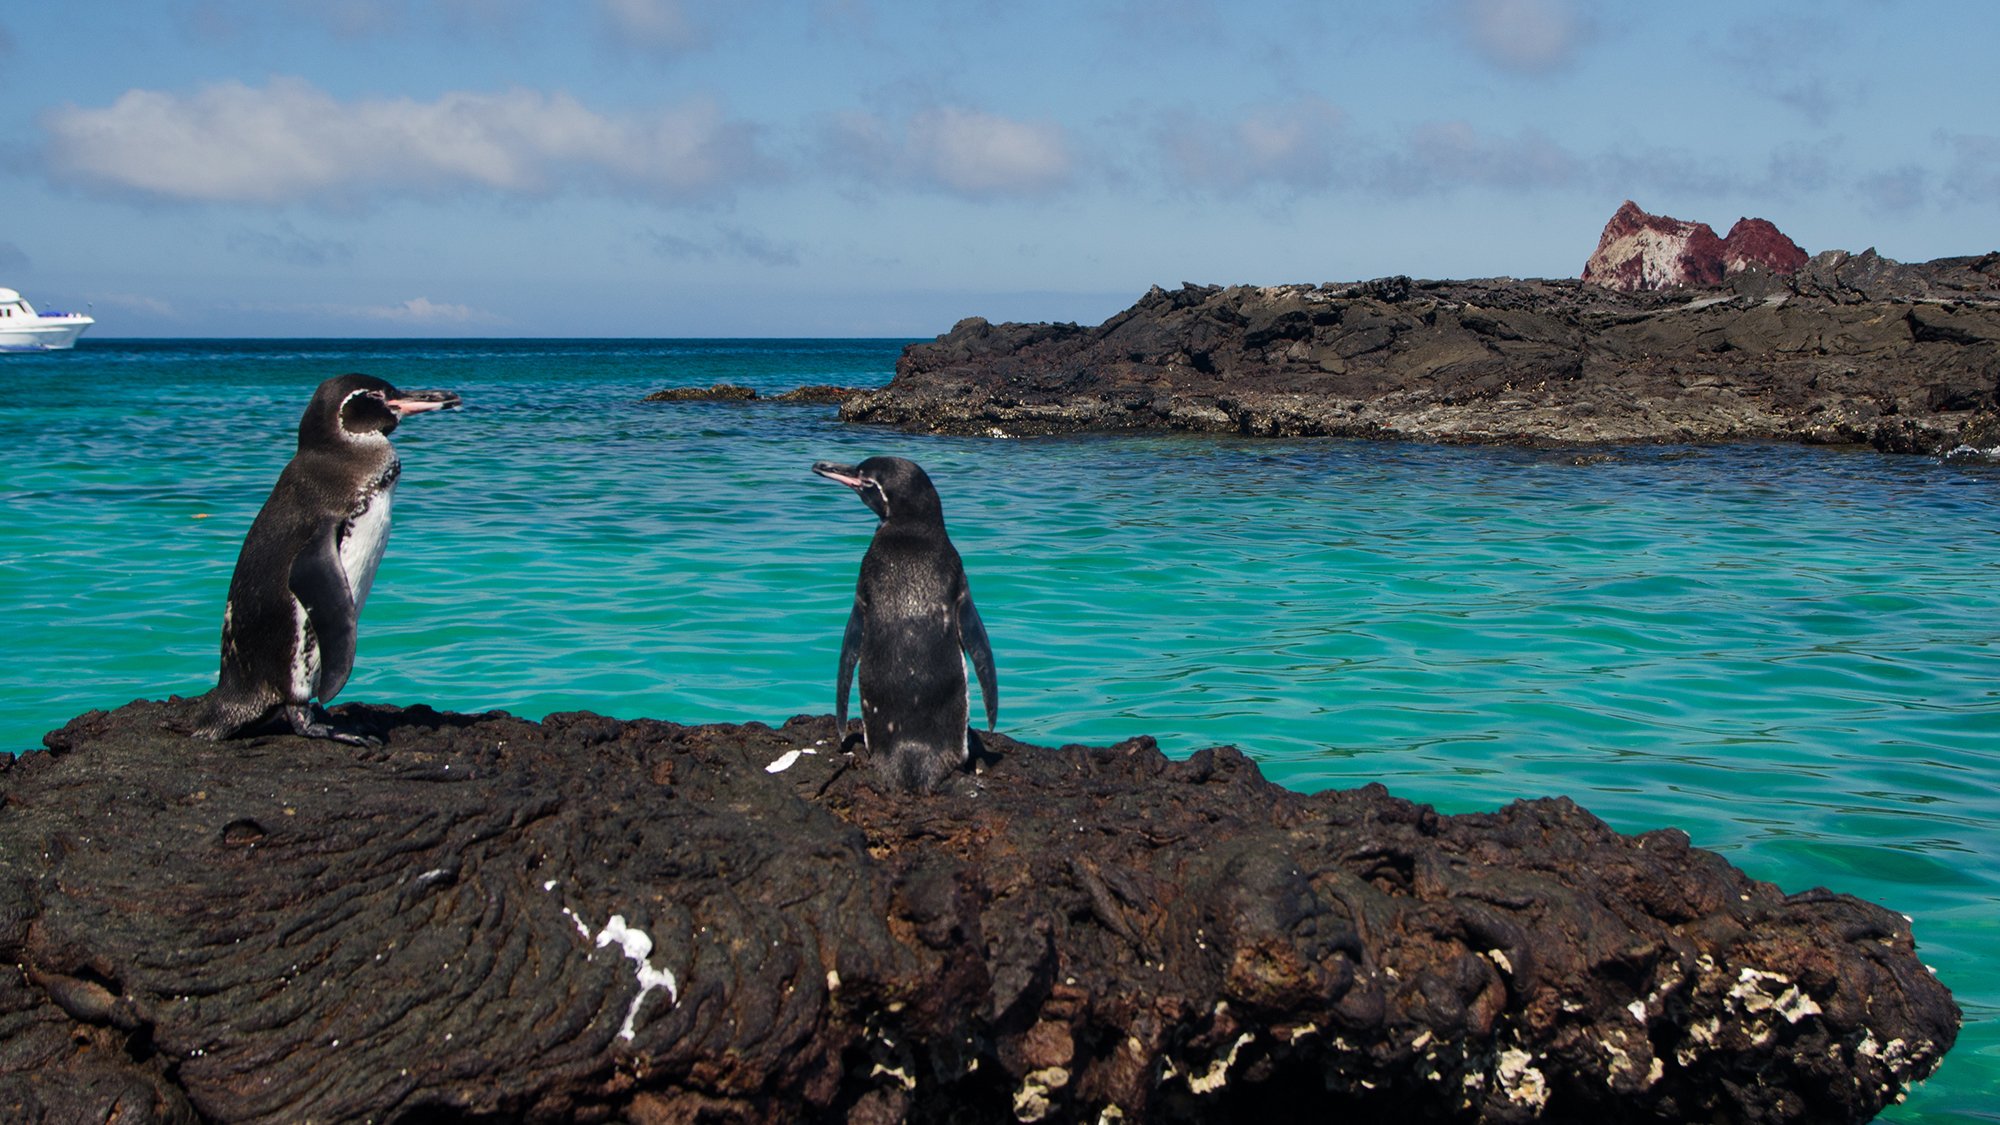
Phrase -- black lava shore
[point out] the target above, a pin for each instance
(1850, 349)
(486, 919)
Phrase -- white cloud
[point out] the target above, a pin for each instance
(1528, 36)
(655, 25)
(958, 151)
(1297, 144)
(422, 310)
(291, 142)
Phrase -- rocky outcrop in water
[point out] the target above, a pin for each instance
(814, 393)
(1640, 251)
(583, 919)
(1852, 348)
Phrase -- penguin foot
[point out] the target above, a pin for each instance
(305, 726)
(977, 756)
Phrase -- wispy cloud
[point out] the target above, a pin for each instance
(12, 257)
(1298, 144)
(414, 312)
(1895, 190)
(1525, 36)
(290, 142)
(1782, 56)
(138, 303)
(725, 242)
(958, 151)
(1309, 146)
(287, 244)
(1444, 155)
(654, 25)
(1975, 170)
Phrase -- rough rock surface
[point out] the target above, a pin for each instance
(583, 919)
(1756, 244)
(1639, 251)
(1852, 348)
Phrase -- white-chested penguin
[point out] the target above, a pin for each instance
(912, 617)
(289, 627)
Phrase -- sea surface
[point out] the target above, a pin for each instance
(1793, 654)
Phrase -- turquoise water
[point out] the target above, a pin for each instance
(1789, 653)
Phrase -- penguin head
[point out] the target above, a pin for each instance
(361, 408)
(891, 486)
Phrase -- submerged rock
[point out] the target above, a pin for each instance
(587, 919)
(1850, 349)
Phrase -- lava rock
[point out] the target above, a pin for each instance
(720, 392)
(814, 393)
(1849, 349)
(588, 919)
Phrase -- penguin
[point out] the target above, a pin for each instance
(289, 625)
(912, 617)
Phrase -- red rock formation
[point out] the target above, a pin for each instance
(1643, 251)
(1755, 242)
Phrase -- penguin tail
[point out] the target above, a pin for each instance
(214, 722)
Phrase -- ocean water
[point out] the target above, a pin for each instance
(1792, 654)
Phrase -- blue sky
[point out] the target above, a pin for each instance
(867, 168)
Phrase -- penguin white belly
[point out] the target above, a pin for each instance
(367, 537)
(305, 655)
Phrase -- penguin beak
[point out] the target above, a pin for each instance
(407, 403)
(845, 474)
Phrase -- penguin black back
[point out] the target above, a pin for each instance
(289, 627)
(913, 616)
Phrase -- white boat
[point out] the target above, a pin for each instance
(22, 329)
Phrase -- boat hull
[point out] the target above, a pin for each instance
(43, 337)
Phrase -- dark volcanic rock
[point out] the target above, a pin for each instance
(1848, 349)
(720, 392)
(585, 919)
(818, 393)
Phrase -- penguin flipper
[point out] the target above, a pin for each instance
(972, 637)
(320, 584)
(850, 655)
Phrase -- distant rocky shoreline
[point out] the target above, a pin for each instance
(816, 393)
(1847, 349)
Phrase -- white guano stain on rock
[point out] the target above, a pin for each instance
(1759, 991)
(787, 759)
(1521, 1082)
(1031, 1101)
(636, 944)
(1218, 1071)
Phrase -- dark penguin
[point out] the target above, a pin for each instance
(288, 629)
(912, 616)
